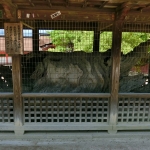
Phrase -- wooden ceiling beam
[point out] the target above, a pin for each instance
(49, 3)
(69, 12)
(84, 3)
(143, 8)
(31, 3)
(70, 8)
(67, 3)
(9, 8)
(67, 15)
(131, 1)
(122, 11)
(103, 4)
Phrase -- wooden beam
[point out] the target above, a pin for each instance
(96, 41)
(115, 73)
(105, 27)
(35, 38)
(103, 4)
(143, 8)
(86, 14)
(96, 38)
(122, 11)
(84, 3)
(9, 8)
(31, 3)
(64, 25)
(132, 1)
(49, 3)
(67, 3)
(25, 24)
(69, 9)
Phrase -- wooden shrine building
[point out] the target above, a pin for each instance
(68, 70)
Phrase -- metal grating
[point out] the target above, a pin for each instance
(66, 57)
(134, 68)
(6, 110)
(66, 110)
(133, 110)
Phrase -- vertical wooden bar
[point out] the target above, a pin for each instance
(96, 41)
(96, 37)
(17, 89)
(116, 57)
(36, 38)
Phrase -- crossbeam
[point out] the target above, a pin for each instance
(9, 8)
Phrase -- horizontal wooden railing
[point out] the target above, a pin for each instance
(5, 94)
(144, 95)
(100, 95)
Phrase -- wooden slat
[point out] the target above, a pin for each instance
(144, 108)
(149, 113)
(29, 112)
(138, 116)
(8, 110)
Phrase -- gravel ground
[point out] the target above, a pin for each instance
(76, 141)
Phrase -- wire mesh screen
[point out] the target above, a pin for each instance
(133, 110)
(6, 109)
(134, 76)
(66, 110)
(5, 64)
(67, 58)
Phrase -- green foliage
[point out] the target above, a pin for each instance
(83, 40)
(131, 40)
(105, 41)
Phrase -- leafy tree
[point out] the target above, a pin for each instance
(83, 40)
(105, 41)
(129, 41)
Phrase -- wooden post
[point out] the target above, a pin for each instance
(17, 86)
(116, 57)
(17, 89)
(96, 41)
(36, 39)
(96, 38)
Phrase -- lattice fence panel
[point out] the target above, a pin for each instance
(133, 110)
(6, 110)
(66, 110)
